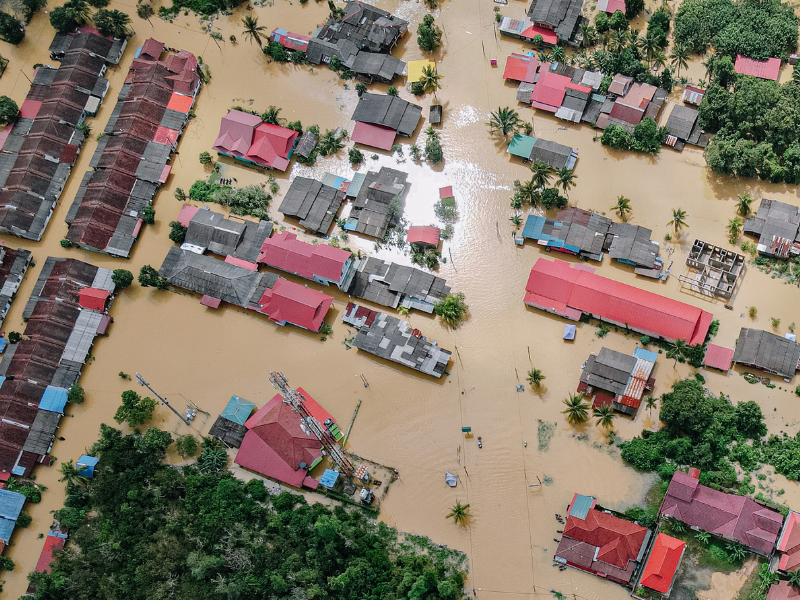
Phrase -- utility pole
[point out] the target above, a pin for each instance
(163, 400)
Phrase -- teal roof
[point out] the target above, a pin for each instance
(521, 145)
(329, 478)
(647, 355)
(238, 410)
(581, 506)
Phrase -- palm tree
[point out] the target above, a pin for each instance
(679, 57)
(542, 172)
(145, 11)
(566, 179)
(678, 219)
(650, 48)
(678, 350)
(559, 55)
(588, 35)
(734, 228)
(660, 59)
(794, 578)
(459, 513)
(505, 120)
(617, 41)
(253, 30)
(650, 402)
(70, 474)
(546, 57)
(535, 378)
(577, 410)
(622, 208)
(430, 80)
(605, 416)
(743, 205)
(635, 40)
(83, 13)
(527, 192)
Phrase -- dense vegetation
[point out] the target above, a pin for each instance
(755, 28)
(711, 433)
(144, 530)
(647, 137)
(248, 200)
(201, 7)
(756, 122)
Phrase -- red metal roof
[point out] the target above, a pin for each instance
(578, 87)
(240, 262)
(375, 136)
(446, 192)
(51, 544)
(180, 103)
(665, 557)
(548, 37)
(186, 214)
(618, 541)
(521, 67)
(783, 590)
(292, 303)
(93, 298)
(285, 252)
(151, 49)
(210, 301)
(29, 109)
(314, 408)
(789, 543)
(626, 113)
(556, 287)
(550, 90)
(718, 357)
(423, 234)
(764, 69)
(168, 137)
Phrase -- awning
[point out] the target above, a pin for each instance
(210, 302)
(164, 174)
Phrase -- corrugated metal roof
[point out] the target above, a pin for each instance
(764, 69)
(82, 337)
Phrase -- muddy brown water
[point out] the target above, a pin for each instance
(408, 420)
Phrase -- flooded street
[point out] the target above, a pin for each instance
(408, 420)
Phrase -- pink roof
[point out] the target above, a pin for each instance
(244, 135)
(446, 192)
(783, 591)
(210, 301)
(166, 136)
(520, 67)
(292, 303)
(180, 103)
(764, 69)
(375, 136)
(639, 95)
(426, 234)
(236, 132)
(51, 544)
(556, 287)
(549, 90)
(285, 252)
(731, 515)
(578, 87)
(29, 109)
(287, 39)
(718, 357)
(275, 445)
(165, 173)
(548, 37)
(629, 114)
(240, 262)
(93, 298)
(612, 6)
(789, 543)
(186, 214)
(314, 408)
(4, 133)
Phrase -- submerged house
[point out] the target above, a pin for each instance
(571, 291)
(394, 339)
(628, 103)
(565, 234)
(11, 504)
(365, 26)
(313, 203)
(632, 245)
(562, 17)
(712, 270)
(684, 128)
(763, 69)
(62, 321)
(380, 118)
(532, 149)
(777, 227)
(393, 285)
(379, 202)
(729, 516)
(230, 425)
(789, 544)
(244, 137)
(767, 352)
(321, 263)
(615, 378)
(13, 266)
(227, 236)
(291, 41)
(40, 147)
(600, 543)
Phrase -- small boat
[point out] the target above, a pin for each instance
(480, 443)
(729, 306)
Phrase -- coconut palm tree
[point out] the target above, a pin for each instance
(678, 351)
(660, 59)
(253, 30)
(527, 192)
(650, 402)
(577, 410)
(559, 55)
(535, 378)
(743, 204)
(546, 57)
(650, 47)
(430, 80)
(505, 120)
(542, 172)
(635, 40)
(678, 220)
(588, 35)
(605, 416)
(566, 180)
(459, 513)
(734, 228)
(622, 208)
(70, 474)
(617, 41)
(679, 57)
(794, 578)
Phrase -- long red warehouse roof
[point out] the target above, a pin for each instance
(557, 287)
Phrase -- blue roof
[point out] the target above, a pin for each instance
(329, 478)
(533, 231)
(10, 504)
(581, 506)
(54, 399)
(88, 462)
(533, 227)
(2, 379)
(3, 343)
(6, 529)
(238, 410)
(645, 355)
(18, 470)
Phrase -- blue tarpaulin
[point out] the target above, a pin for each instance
(54, 399)
(238, 410)
(10, 504)
(86, 465)
(329, 478)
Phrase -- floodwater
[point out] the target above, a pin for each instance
(409, 421)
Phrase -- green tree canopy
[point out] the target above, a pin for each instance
(122, 278)
(135, 410)
(11, 29)
(8, 110)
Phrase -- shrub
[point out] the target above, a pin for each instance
(11, 29)
(24, 519)
(75, 394)
(186, 445)
(149, 277)
(429, 36)
(180, 194)
(205, 158)
(392, 91)
(8, 109)
(6, 564)
(452, 309)
(433, 148)
(177, 232)
(356, 156)
(14, 337)
(360, 88)
(122, 278)
(418, 88)
(148, 215)
(135, 410)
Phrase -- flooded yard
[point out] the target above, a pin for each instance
(525, 473)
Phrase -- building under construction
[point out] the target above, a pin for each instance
(712, 270)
